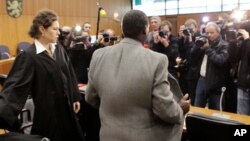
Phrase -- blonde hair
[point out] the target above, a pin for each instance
(189, 22)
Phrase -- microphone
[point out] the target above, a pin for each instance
(221, 115)
(223, 89)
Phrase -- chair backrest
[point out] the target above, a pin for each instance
(22, 46)
(5, 52)
(202, 127)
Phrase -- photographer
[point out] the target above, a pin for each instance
(239, 54)
(166, 43)
(188, 70)
(79, 53)
(105, 38)
(64, 36)
(211, 54)
(155, 22)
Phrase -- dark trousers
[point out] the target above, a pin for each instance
(212, 97)
(89, 121)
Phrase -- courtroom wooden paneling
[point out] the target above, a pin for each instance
(70, 13)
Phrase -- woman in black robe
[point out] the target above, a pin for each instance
(44, 71)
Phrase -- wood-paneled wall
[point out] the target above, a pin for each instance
(70, 12)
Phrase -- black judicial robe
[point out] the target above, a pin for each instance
(53, 86)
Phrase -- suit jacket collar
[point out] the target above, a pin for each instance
(132, 42)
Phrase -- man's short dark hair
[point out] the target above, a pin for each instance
(134, 23)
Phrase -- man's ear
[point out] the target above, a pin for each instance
(146, 30)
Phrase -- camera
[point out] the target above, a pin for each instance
(114, 38)
(200, 41)
(163, 34)
(107, 38)
(233, 35)
(78, 35)
(63, 35)
(187, 31)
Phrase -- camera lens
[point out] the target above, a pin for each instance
(162, 34)
(200, 41)
(186, 32)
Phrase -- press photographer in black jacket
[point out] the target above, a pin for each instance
(166, 43)
(212, 55)
(239, 54)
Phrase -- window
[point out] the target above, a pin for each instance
(174, 7)
(228, 5)
(150, 7)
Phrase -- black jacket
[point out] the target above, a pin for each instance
(217, 71)
(171, 52)
(240, 54)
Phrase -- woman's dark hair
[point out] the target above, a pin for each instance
(44, 18)
(134, 23)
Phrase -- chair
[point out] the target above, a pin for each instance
(22, 46)
(2, 80)
(202, 127)
(26, 116)
(27, 113)
(5, 52)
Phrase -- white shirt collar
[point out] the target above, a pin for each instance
(40, 48)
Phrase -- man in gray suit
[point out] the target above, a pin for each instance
(130, 85)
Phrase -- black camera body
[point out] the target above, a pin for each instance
(201, 41)
(114, 38)
(78, 35)
(63, 35)
(107, 38)
(232, 35)
(163, 34)
(187, 31)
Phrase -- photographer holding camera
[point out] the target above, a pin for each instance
(166, 43)
(239, 55)
(64, 36)
(155, 22)
(211, 54)
(188, 70)
(79, 53)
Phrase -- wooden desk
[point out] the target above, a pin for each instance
(5, 65)
(2, 131)
(233, 116)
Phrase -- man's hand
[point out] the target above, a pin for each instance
(244, 33)
(185, 103)
(164, 41)
(76, 106)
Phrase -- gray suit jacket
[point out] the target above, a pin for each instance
(130, 86)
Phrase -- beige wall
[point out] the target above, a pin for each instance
(70, 12)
